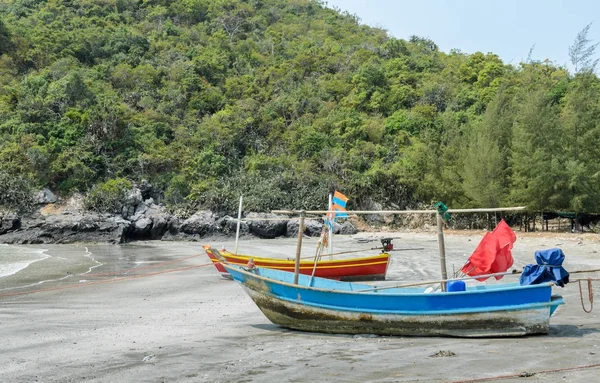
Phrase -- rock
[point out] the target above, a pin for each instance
(347, 228)
(131, 202)
(377, 219)
(84, 224)
(140, 210)
(201, 223)
(142, 227)
(146, 189)
(173, 225)
(149, 222)
(269, 226)
(228, 226)
(75, 227)
(150, 192)
(67, 222)
(46, 196)
(9, 222)
(312, 227)
(159, 227)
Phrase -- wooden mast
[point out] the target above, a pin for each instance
(440, 225)
(299, 246)
(239, 221)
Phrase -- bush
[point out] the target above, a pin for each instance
(16, 193)
(109, 196)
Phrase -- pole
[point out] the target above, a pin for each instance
(237, 231)
(442, 249)
(299, 246)
(330, 223)
(483, 210)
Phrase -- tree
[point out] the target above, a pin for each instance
(579, 117)
(6, 44)
(483, 169)
(582, 52)
(539, 176)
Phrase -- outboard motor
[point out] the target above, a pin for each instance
(387, 244)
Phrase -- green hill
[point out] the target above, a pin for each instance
(279, 99)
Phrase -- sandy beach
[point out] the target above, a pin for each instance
(172, 318)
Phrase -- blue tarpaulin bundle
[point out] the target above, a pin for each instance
(548, 269)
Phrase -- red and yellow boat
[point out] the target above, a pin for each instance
(371, 268)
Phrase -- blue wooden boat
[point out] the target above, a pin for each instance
(497, 310)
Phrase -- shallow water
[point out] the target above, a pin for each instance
(24, 267)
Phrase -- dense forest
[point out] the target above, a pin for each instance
(278, 100)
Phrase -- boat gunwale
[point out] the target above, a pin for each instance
(308, 266)
(386, 291)
(378, 257)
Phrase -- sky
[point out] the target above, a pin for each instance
(508, 28)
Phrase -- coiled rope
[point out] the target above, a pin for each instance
(590, 293)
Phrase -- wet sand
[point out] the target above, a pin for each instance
(191, 325)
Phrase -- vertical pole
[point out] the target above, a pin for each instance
(331, 221)
(442, 249)
(299, 246)
(239, 221)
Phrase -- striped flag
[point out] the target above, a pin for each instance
(339, 205)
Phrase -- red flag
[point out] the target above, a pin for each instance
(493, 254)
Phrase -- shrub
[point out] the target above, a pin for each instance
(109, 196)
(16, 193)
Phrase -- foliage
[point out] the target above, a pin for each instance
(278, 100)
(15, 193)
(109, 196)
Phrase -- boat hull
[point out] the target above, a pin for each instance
(519, 312)
(371, 268)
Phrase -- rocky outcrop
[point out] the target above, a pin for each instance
(9, 222)
(68, 228)
(312, 227)
(142, 219)
(266, 225)
(229, 224)
(201, 223)
(149, 221)
(347, 228)
(46, 196)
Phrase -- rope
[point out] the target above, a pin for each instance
(590, 294)
(526, 374)
(108, 273)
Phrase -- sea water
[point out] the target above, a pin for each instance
(16, 258)
(24, 267)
